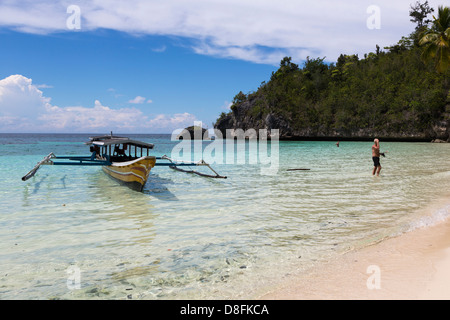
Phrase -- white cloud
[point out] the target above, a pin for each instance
(19, 97)
(94, 119)
(176, 121)
(159, 49)
(20, 101)
(114, 92)
(226, 105)
(253, 30)
(43, 86)
(252, 53)
(24, 108)
(137, 100)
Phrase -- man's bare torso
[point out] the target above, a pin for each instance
(375, 151)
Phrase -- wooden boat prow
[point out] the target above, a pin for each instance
(134, 173)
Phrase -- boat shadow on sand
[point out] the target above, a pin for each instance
(157, 187)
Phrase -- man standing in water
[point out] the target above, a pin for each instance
(376, 157)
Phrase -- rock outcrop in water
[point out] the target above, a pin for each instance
(195, 132)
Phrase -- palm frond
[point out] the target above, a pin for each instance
(429, 37)
(443, 20)
(436, 41)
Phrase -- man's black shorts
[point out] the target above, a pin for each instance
(376, 161)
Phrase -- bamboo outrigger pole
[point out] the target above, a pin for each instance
(33, 171)
(174, 163)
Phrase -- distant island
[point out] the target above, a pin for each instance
(401, 93)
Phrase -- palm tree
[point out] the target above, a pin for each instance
(436, 41)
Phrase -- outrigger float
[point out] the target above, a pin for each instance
(126, 160)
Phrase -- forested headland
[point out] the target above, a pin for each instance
(400, 92)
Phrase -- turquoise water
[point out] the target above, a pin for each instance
(74, 233)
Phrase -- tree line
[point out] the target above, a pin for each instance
(403, 87)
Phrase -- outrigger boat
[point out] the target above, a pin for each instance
(126, 160)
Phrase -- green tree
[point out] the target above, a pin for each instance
(419, 14)
(436, 41)
(239, 98)
(286, 65)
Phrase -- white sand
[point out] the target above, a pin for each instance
(415, 265)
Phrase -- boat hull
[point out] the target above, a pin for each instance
(133, 174)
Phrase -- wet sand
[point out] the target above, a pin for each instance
(413, 266)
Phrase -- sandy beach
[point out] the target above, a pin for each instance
(412, 266)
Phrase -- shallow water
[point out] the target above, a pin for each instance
(74, 233)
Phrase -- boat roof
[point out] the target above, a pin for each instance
(107, 140)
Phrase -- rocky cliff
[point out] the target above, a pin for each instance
(389, 95)
(243, 118)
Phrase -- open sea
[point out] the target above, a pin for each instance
(71, 232)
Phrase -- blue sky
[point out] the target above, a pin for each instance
(156, 66)
(114, 68)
